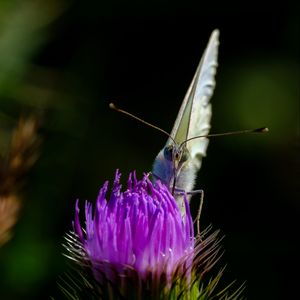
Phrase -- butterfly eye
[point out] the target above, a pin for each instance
(185, 155)
(168, 153)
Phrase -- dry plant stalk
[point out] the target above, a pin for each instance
(21, 155)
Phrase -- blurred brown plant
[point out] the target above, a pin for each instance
(20, 157)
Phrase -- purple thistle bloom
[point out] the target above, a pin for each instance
(138, 245)
(141, 229)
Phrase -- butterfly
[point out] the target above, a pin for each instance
(177, 164)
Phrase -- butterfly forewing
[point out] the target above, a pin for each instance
(192, 120)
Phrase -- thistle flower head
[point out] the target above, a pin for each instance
(139, 238)
(141, 229)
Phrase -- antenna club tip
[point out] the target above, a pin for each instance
(262, 130)
(112, 106)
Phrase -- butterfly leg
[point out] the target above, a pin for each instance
(199, 213)
(201, 192)
(181, 192)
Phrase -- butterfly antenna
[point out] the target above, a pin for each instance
(114, 107)
(257, 130)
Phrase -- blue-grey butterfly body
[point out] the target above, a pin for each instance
(178, 162)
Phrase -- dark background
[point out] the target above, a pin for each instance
(68, 60)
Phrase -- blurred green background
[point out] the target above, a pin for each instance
(66, 60)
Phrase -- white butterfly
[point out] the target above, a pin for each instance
(177, 164)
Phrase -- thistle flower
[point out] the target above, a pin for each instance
(141, 229)
(138, 245)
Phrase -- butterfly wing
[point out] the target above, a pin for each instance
(194, 116)
(192, 120)
(200, 93)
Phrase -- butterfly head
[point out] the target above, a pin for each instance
(177, 154)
